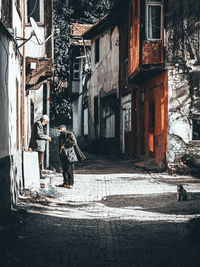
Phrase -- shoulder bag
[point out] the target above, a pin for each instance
(70, 154)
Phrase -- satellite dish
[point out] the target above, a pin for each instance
(37, 34)
(36, 31)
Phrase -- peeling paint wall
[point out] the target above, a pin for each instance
(134, 35)
(152, 52)
(105, 74)
(10, 155)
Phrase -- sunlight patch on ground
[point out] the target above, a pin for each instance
(100, 211)
(82, 202)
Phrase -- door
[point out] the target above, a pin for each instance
(123, 130)
(151, 123)
(142, 122)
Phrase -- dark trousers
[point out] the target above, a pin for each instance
(68, 171)
(41, 160)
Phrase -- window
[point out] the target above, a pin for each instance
(97, 50)
(35, 9)
(76, 70)
(196, 129)
(154, 20)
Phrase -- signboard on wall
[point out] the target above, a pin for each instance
(31, 170)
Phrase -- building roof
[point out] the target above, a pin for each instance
(112, 18)
(77, 30)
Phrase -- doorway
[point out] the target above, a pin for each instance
(151, 123)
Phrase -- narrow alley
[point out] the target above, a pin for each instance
(99, 133)
(115, 215)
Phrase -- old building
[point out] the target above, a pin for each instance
(39, 63)
(128, 141)
(163, 68)
(79, 57)
(24, 67)
(11, 107)
(146, 71)
(103, 90)
(145, 53)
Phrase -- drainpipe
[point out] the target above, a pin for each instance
(23, 80)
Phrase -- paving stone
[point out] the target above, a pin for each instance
(80, 228)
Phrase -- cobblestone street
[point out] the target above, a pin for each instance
(115, 215)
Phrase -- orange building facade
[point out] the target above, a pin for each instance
(144, 77)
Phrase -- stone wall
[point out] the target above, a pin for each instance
(182, 106)
(183, 64)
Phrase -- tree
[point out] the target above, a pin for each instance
(65, 13)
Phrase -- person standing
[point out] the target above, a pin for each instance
(66, 140)
(39, 139)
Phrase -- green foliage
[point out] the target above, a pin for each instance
(60, 107)
(65, 13)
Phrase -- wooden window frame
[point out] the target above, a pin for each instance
(75, 71)
(41, 21)
(154, 3)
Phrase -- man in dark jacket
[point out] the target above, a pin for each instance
(38, 139)
(66, 140)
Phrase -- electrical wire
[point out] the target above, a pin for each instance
(35, 42)
(33, 9)
(149, 23)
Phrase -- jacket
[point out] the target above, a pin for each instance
(67, 139)
(38, 138)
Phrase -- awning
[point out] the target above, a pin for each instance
(38, 70)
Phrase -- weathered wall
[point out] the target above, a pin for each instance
(4, 100)
(105, 73)
(14, 85)
(10, 156)
(152, 117)
(156, 97)
(5, 201)
(128, 139)
(38, 102)
(32, 48)
(77, 116)
(134, 35)
(152, 52)
(77, 104)
(183, 62)
(180, 126)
